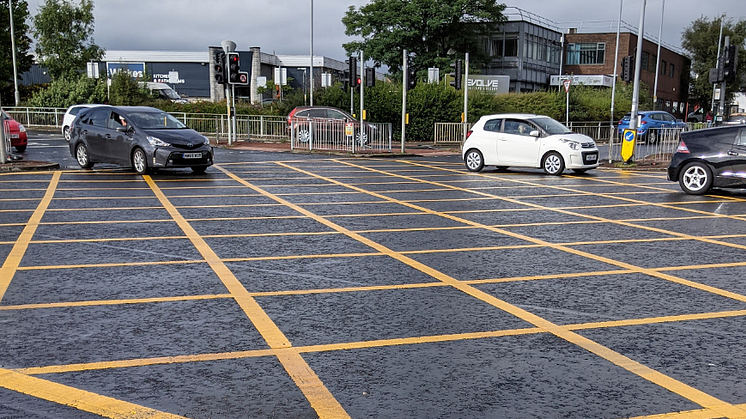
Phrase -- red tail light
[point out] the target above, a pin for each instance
(468, 133)
(682, 148)
(643, 122)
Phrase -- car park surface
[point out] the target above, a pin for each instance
(284, 285)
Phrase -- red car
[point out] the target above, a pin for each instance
(18, 138)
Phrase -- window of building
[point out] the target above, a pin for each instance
(506, 46)
(645, 62)
(591, 53)
(670, 70)
(663, 68)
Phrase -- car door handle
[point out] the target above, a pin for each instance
(732, 153)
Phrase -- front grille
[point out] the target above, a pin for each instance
(587, 145)
(186, 146)
(590, 157)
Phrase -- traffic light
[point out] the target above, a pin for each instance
(628, 68)
(457, 74)
(235, 75)
(354, 80)
(730, 63)
(345, 81)
(370, 77)
(411, 78)
(221, 76)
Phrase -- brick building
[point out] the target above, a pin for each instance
(593, 54)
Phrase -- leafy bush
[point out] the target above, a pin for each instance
(70, 90)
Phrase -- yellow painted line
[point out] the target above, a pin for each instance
(79, 399)
(92, 303)
(108, 265)
(322, 401)
(691, 414)
(654, 320)
(662, 380)
(13, 260)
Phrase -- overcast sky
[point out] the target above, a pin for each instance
(283, 26)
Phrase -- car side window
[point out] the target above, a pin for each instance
(100, 117)
(301, 114)
(116, 121)
(493, 125)
(655, 117)
(336, 114)
(517, 127)
(317, 113)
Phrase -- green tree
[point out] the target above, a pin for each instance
(700, 40)
(63, 33)
(127, 91)
(430, 29)
(23, 43)
(70, 90)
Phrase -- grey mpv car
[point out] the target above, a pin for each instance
(141, 137)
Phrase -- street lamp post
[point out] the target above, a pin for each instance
(310, 79)
(638, 60)
(13, 47)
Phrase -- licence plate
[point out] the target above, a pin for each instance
(591, 157)
(192, 155)
(14, 135)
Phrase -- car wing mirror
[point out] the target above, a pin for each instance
(122, 129)
(535, 133)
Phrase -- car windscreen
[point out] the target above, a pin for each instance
(550, 126)
(155, 120)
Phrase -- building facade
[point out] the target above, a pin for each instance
(526, 48)
(593, 54)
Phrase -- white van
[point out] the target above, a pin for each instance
(165, 91)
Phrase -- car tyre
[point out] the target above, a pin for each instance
(695, 178)
(21, 148)
(304, 135)
(553, 163)
(199, 169)
(473, 160)
(66, 133)
(82, 156)
(140, 161)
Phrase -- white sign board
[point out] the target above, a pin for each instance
(494, 84)
(93, 70)
(600, 80)
(261, 81)
(281, 76)
(433, 75)
(173, 77)
(326, 80)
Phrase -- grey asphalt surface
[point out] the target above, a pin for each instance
(283, 285)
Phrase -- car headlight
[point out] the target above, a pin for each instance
(574, 145)
(21, 128)
(207, 140)
(157, 142)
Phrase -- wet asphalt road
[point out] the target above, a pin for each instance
(280, 285)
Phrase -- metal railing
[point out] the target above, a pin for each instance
(658, 144)
(450, 133)
(600, 131)
(337, 135)
(37, 117)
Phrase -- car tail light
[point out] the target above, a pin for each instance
(682, 148)
(468, 133)
(643, 122)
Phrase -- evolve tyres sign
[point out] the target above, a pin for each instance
(493, 84)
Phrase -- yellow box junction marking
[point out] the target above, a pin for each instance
(304, 377)
(697, 396)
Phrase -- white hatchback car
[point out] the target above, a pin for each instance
(69, 117)
(525, 140)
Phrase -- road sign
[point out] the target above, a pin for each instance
(349, 129)
(629, 138)
(567, 83)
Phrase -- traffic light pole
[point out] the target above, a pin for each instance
(638, 60)
(721, 109)
(405, 71)
(233, 111)
(466, 95)
(717, 60)
(362, 101)
(3, 150)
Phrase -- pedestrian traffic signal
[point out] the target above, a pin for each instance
(628, 68)
(370, 77)
(411, 78)
(221, 76)
(730, 63)
(457, 74)
(235, 75)
(354, 80)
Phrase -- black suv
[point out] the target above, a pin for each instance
(707, 158)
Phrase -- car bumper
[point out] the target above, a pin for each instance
(588, 159)
(178, 157)
(18, 139)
